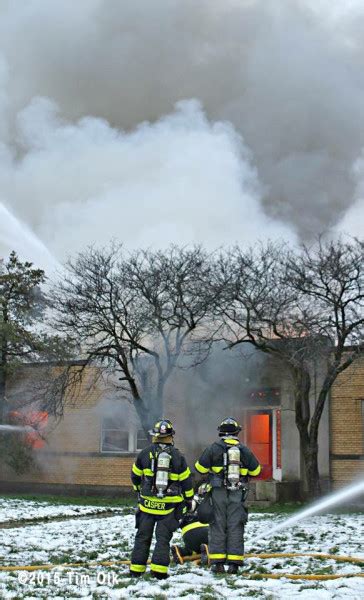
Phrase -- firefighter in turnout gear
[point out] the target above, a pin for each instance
(162, 479)
(228, 464)
(194, 532)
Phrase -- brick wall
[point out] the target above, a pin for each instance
(72, 454)
(347, 425)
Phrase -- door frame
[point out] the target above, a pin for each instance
(272, 437)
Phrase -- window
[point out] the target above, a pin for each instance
(118, 434)
(141, 439)
(114, 436)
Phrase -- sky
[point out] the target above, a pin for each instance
(211, 122)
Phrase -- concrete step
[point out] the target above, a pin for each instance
(260, 503)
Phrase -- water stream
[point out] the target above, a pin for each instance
(341, 495)
(15, 235)
(15, 428)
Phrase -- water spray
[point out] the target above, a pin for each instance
(16, 428)
(16, 235)
(348, 492)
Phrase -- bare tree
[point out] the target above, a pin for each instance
(138, 316)
(303, 307)
(329, 280)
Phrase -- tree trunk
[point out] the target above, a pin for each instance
(143, 414)
(2, 394)
(312, 477)
(3, 364)
(308, 438)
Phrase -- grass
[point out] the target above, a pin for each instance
(76, 500)
(126, 501)
(278, 508)
(285, 508)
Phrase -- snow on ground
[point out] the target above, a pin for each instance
(20, 510)
(103, 539)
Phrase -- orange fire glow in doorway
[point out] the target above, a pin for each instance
(259, 440)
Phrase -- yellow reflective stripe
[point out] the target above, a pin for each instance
(193, 526)
(235, 557)
(217, 469)
(229, 441)
(152, 511)
(214, 556)
(136, 487)
(243, 471)
(173, 476)
(185, 474)
(137, 471)
(151, 455)
(148, 472)
(255, 472)
(138, 568)
(167, 499)
(189, 493)
(200, 468)
(159, 568)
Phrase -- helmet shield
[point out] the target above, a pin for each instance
(162, 428)
(229, 426)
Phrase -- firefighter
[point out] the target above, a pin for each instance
(195, 535)
(228, 464)
(194, 532)
(162, 479)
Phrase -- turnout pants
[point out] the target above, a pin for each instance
(164, 528)
(193, 539)
(226, 532)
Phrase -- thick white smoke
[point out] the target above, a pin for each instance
(287, 76)
(181, 179)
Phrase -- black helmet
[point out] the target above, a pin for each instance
(162, 429)
(227, 426)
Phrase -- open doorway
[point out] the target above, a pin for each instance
(259, 439)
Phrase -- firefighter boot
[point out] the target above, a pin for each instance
(218, 568)
(158, 575)
(205, 555)
(233, 569)
(177, 556)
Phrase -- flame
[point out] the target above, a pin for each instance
(36, 421)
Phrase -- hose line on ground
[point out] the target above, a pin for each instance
(195, 558)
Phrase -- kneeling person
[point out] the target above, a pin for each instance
(163, 480)
(195, 528)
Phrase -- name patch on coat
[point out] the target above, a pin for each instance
(154, 504)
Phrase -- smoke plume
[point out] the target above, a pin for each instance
(180, 121)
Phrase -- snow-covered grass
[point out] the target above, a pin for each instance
(18, 510)
(107, 539)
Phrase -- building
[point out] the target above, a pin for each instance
(347, 426)
(91, 450)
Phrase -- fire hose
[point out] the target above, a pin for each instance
(196, 558)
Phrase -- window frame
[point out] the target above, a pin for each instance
(136, 440)
(103, 429)
(132, 434)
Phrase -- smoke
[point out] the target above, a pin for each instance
(198, 399)
(93, 145)
(181, 178)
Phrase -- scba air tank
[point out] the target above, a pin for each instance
(233, 467)
(161, 477)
